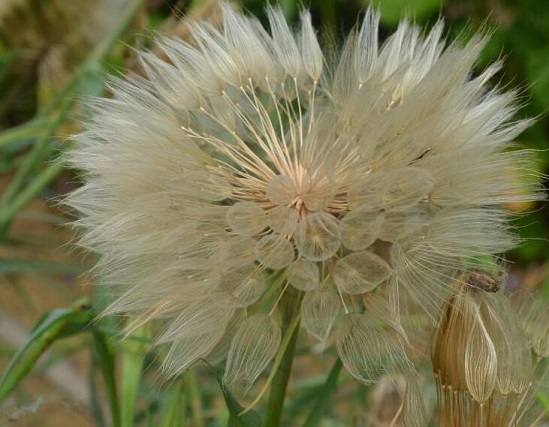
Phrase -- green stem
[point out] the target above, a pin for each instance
(289, 306)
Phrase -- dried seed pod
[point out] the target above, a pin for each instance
(479, 354)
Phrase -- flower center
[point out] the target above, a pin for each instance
(304, 192)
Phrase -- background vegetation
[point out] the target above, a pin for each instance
(72, 371)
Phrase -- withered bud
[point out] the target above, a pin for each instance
(479, 353)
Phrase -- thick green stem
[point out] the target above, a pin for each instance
(289, 307)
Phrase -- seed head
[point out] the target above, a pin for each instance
(250, 163)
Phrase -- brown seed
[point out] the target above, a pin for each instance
(481, 280)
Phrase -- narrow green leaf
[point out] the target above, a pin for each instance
(324, 397)
(29, 266)
(52, 326)
(195, 399)
(96, 393)
(26, 195)
(92, 78)
(175, 410)
(236, 416)
(39, 152)
(106, 357)
(104, 329)
(133, 355)
(21, 133)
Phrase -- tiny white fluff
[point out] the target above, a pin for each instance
(250, 165)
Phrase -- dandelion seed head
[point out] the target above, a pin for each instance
(250, 162)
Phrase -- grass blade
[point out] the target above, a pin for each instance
(324, 396)
(134, 350)
(237, 417)
(52, 326)
(176, 407)
(10, 266)
(106, 358)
